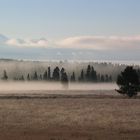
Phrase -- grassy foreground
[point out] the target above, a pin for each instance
(69, 119)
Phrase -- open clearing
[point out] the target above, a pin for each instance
(69, 116)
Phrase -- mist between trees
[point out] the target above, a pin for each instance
(59, 71)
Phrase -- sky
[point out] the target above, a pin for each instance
(70, 29)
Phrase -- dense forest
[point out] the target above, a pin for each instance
(64, 71)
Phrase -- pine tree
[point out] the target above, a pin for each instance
(5, 77)
(73, 77)
(93, 75)
(45, 76)
(28, 77)
(88, 78)
(35, 77)
(49, 73)
(128, 82)
(106, 78)
(56, 74)
(102, 78)
(81, 78)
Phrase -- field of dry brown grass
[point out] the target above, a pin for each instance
(70, 118)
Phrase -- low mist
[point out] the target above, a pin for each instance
(44, 86)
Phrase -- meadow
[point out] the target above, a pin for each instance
(68, 115)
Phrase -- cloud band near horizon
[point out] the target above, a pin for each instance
(27, 42)
(102, 42)
(79, 42)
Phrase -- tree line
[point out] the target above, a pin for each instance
(128, 80)
(60, 74)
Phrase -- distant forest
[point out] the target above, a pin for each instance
(60, 71)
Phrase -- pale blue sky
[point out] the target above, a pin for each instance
(99, 25)
(63, 18)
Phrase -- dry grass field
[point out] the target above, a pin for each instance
(69, 117)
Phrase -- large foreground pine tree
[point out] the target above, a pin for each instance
(128, 82)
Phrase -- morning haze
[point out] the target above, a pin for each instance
(69, 69)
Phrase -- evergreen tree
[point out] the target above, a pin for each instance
(5, 77)
(99, 78)
(93, 75)
(81, 78)
(102, 78)
(106, 78)
(110, 78)
(64, 80)
(138, 72)
(22, 78)
(49, 73)
(62, 70)
(73, 77)
(45, 76)
(128, 82)
(35, 76)
(82, 75)
(88, 78)
(56, 74)
(28, 77)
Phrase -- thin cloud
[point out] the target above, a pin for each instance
(101, 42)
(27, 42)
(79, 42)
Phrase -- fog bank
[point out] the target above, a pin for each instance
(24, 86)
